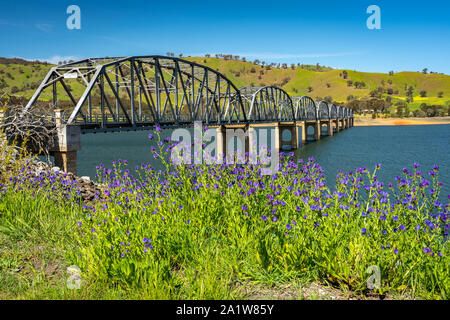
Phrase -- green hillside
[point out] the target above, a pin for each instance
(23, 77)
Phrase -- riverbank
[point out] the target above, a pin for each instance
(368, 121)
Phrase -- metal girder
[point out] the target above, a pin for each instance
(168, 91)
(267, 104)
(323, 112)
(333, 111)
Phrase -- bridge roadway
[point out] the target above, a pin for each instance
(140, 92)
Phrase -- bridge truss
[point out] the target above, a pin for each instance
(144, 91)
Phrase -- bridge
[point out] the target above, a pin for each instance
(141, 92)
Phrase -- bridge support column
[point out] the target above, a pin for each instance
(252, 144)
(317, 130)
(66, 144)
(330, 128)
(292, 142)
(225, 134)
(301, 131)
(220, 143)
(316, 127)
(336, 122)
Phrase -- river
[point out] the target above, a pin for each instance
(395, 147)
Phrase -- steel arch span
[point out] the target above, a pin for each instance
(143, 91)
(128, 93)
(323, 111)
(305, 108)
(340, 111)
(333, 111)
(267, 104)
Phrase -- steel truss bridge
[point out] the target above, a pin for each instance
(140, 92)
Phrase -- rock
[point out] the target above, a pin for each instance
(56, 169)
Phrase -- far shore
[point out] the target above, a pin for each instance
(368, 121)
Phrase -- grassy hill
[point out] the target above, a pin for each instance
(22, 78)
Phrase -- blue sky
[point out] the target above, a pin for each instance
(413, 34)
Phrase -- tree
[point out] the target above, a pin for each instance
(440, 94)
(310, 89)
(328, 85)
(425, 70)
(410, 91)
(356, 105)
(328, 99)
(419, 113)
(423, 93)
(349, 83)
(423, 107)
(344, 74)
(391, 73)
(400, 111)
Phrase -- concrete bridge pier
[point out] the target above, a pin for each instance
(302, 131)
(280, 128)
(329, 128)
(316, 126)
(336, 122)
(224, 134)
(66, 144)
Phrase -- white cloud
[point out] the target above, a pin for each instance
(299, 55)
(55, 59)
(268, 55)
(43, 26)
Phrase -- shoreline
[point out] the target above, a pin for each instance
(362, 122)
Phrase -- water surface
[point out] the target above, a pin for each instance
(395, 147)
